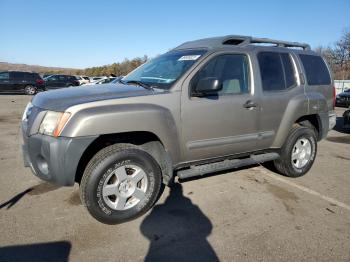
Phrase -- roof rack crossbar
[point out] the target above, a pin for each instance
(247, 40)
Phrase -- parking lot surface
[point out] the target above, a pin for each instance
(251, 214)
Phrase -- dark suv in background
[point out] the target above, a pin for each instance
(59, 81)
(19, 82)
(343, 99)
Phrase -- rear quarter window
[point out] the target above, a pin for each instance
(316, 70)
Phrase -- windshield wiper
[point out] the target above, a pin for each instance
(144, 85)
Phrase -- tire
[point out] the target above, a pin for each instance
(110, 187)
(298, 153)
(30, 90)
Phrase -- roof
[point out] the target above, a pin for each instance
(238, 40)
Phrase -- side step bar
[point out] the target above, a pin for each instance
(226, 164)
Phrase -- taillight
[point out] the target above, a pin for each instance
(334, 96)
(39, 82)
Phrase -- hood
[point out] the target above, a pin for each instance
(61, 99)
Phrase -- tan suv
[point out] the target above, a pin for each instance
(205, 106)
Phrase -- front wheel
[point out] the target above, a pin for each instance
(120, 183)
(298, 153)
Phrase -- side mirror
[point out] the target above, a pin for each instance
(207, 86)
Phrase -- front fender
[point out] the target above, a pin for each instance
(111, 119)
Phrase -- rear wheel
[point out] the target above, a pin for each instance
(30, 90)
(120, 183)
(298, 153)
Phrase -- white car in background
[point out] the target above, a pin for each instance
(83, 79)
(95, 78)
(104, 80)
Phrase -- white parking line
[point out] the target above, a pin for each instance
(304, 189)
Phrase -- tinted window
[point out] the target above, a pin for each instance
(17, 75)
(62, 78)
(316, 70)
(29, 75)
(231, 70)
(4, 76)
(277, 71)
(288, 70)
(271, 71)
(52, 78)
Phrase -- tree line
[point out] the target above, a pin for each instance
(338, 55)
(117, 69)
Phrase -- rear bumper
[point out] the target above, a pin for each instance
(54, 159)
(328, 122)
(332, 120)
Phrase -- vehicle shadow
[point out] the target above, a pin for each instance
(178, 230)
(52, 251)
(15, 199)
(38, 189)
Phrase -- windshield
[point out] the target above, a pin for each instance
(163, 71)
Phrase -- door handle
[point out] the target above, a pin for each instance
(249, 105)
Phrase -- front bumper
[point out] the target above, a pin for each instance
(54, 159)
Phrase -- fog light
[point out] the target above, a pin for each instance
(43, 166)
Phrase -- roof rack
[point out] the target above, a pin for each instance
(247, 40)
(238, 40)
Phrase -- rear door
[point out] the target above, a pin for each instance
(4, 81)
(279, 85)
(16, 80)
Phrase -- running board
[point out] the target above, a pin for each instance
(226, 164)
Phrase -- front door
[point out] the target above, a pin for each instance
(224, 123)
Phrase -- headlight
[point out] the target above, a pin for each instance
(25, 113)
(53, 123)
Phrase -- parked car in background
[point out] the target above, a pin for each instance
(21, 82)
(95, 78)
(59, 81)
(83, 79)
(116, 80)
(343, 99)
(102, 81)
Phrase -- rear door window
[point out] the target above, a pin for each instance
(315, 69)
(18, 75)
(288, 70)
(277, 71)
(271, 71)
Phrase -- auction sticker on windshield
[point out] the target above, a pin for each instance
(189, 57)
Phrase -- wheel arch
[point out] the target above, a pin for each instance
(147, 141)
